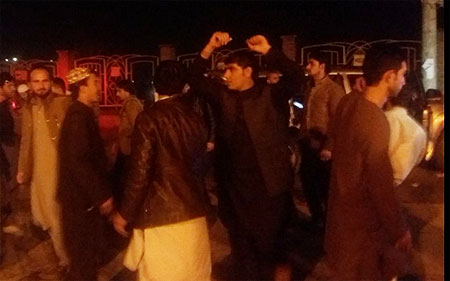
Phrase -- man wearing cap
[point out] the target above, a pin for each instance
(42, 117)
(83, 191)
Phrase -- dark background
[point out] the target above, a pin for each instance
(37, 29)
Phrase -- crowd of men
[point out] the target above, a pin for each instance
(156, 197)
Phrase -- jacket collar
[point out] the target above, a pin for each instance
(46, 101)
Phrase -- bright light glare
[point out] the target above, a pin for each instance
(14, 59)
(297, 104)
(6, 59)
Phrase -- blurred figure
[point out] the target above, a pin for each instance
(131, 107)
(7, 138)
(316, 142)
(42, 117)
(273, 76)
(59, 86)
(83, 189)
(407, 142)
(163, 202)
(366, 236)
(24, 92)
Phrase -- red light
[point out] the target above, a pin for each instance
(13, 104)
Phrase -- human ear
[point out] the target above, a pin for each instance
(248, 71)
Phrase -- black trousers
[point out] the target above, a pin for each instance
(315, 178)
(256, 224)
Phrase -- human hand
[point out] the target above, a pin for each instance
(209, 146)
(325, 155)
(259, 44)
(218, 39)
(107, 207)
(119, 224)
(20, 178)
(404, 243)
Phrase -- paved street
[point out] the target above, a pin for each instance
(29, 253)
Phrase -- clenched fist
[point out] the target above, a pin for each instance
(217, 40)
(259, 44)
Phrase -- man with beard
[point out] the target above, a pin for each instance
(42, 117)
(83, 188)
(366, 237)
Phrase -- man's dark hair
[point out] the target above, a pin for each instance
(60, 83)
(5, 76)
(380, 59)
(404, 97)
(40, 66)
(322, 58)
(126, 85)
(170, 78)
(273, 70)
(244, 58)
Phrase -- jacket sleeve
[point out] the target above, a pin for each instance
(76, 145)
(141, 163)
(201, 84)
(212, 122)
(380, 179)
(292, 78)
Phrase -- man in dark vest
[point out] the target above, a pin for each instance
(253, 171)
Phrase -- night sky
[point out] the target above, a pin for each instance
(37, 29)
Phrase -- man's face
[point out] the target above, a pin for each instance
(273, 77)
(8, 89)
(237, 77)
(40, 83)
(122, 94)
(314, 68)
(397, 80)
(93, 88)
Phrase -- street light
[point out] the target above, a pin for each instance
(14, 59)
(6, 59)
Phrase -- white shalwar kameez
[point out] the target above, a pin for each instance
(175, 252)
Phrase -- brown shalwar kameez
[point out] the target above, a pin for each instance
(364, 219)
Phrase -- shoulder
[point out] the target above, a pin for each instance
(335, 88)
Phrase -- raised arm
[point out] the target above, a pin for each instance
(197, 80)
(290, 82)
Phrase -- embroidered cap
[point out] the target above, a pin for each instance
(77, 74)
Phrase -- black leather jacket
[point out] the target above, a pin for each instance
(165, 178)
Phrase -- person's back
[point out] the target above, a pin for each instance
(366, 237)
(164, 194)
(178, 140)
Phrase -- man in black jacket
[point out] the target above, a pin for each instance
(253, 172)
(164, 200)
(83, 188)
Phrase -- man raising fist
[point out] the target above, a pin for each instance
(253, 170)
